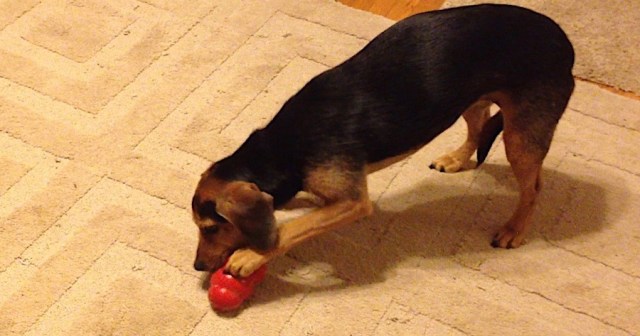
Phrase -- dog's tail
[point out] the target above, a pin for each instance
(488, 135)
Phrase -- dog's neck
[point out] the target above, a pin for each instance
(259, 162)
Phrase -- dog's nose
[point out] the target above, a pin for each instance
(200, 266)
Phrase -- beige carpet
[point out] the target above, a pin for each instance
(605, 35)
(109, 111)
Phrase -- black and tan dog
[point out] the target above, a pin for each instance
(408, 85)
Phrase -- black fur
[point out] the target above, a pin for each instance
(408, 85)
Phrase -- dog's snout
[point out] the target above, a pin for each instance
(200, 265)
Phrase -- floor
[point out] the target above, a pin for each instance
(110, 111)
(394, 9)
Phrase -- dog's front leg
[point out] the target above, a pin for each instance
(243, 262)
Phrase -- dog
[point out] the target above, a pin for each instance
(405, 87)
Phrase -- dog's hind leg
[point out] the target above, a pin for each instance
(529, 125)
(475, 116)
(526, 165)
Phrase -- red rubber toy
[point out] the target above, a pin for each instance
(227, 293)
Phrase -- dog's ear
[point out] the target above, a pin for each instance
(251, 210)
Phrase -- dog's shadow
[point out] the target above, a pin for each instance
(459, 223)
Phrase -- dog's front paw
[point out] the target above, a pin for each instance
(244, 262)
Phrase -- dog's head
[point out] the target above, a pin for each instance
(230, 215)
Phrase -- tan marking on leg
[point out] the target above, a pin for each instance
(334, 180)
(526, 163)
(475, 116)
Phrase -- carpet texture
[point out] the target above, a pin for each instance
(109, 111)
(605, 35)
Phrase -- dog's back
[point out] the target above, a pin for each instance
(415, 79)
(404, 88)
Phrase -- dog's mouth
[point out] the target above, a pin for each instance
(214, 266)
(220, 262)
(211, 265)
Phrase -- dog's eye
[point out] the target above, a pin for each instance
(209, 230)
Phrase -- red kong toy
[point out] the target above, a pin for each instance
(227, 293)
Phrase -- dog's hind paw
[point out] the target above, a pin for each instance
(447, 164)
(507, 238)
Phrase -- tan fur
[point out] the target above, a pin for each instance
(526, 167)
(339, 212)
(475, 117)
(216, 250)
(243, 205)
(238, 200)
(334, 181)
